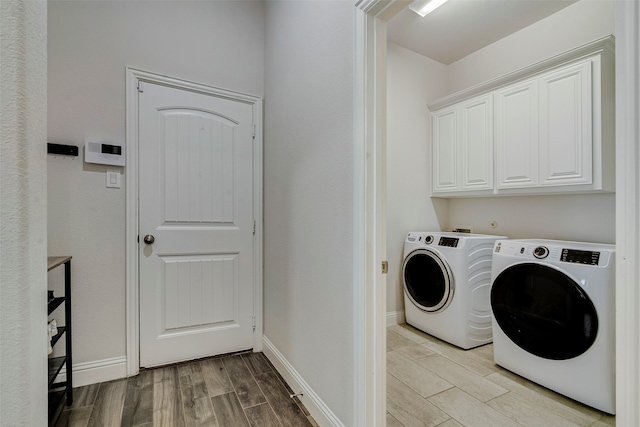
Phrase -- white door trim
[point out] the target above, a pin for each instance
(135, 76)
(369, 214)
(627, 213)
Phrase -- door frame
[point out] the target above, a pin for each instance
(627, 15)
(369, 208)
(132, 282)
(369, 203)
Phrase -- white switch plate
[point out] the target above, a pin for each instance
(113, 179)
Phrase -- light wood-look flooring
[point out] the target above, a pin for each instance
(239, 390)
(433, 383)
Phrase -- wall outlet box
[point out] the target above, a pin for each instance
(464, 229)
(104, 154)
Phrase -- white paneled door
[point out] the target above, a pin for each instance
(196, 224)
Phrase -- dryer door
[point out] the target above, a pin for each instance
(544, 311)
(427, 280)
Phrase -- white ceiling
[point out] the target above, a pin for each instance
(460, 27)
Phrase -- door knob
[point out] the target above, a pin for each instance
(149, 239)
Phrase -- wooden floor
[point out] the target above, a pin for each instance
(429, 383)
(433, 383)
(241, 390)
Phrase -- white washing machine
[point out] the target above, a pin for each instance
(447, 282)
(554, 319)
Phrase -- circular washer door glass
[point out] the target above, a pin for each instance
(427, 280)
(544, 311)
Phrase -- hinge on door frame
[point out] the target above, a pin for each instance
(254, 131)
(254, 322)
(140, 86)
(254, 227)
(385, 267)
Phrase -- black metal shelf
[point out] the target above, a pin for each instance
(55, 303)
(60, 392)
(55, 338)
(55, 365)
(56, 397)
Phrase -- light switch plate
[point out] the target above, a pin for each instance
(113, 179)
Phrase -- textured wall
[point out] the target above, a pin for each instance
(220, 43)
(23, 226)
(308, 184)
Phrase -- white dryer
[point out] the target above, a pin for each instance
(447, 282)
(554, 319)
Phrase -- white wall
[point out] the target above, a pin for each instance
(577, 24)
(219, 43)
(412, 82)
(585, 218)
(582, 217)
(308, 194)
(23, 223)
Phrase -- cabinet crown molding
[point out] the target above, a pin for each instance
(603, 46)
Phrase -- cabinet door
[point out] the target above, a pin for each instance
(445, 151)
(517, 135)
(476, 143)
(565, 126)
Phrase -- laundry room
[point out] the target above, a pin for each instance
(425, 193)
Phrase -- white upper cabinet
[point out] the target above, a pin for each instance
(463, 146)
(545, 129)
(445, 150)
(565, 137)
(517, 135)
(476, 143)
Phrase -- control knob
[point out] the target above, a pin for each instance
(540, 252)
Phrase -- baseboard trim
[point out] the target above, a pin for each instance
(395, 317)
(320, 412)
(97, 371)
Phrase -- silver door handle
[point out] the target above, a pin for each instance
(149, 239)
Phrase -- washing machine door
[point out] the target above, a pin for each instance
(544, 311)
(428, 281)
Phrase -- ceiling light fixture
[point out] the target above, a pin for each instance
(423, 7)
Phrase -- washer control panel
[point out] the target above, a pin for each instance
(580, 257)
(451, 242)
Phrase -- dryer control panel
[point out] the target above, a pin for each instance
(580, 257)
